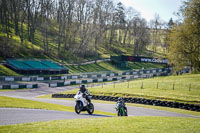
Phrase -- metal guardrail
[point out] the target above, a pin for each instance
(108, 78)
(83, 75)
(18, 86)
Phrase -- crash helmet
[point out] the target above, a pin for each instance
(120, 99)
(82, 87)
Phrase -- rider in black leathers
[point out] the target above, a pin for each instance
(121, 102)
(85, 92)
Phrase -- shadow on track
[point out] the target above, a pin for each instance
(98, 115)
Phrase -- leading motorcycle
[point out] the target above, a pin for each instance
(82, 104)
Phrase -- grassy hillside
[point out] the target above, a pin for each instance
(6, 71)
(145, 124)
(99, 67)
(107, 66)
(183, 88)
(12, 47)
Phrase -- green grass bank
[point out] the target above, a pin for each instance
(98, 67)
(23, 103)
(185, 88)
(110, 125)
(6, 71)
(107, 66)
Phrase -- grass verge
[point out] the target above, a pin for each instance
(110, 125)
(182, 111)
(184, 89)
(23, 103)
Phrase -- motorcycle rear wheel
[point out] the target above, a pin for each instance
(126, 112)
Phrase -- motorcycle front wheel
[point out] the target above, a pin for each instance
(122, 112)
(90, 108)
(119, 112)
(77, 109)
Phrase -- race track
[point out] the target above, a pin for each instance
(14, 116)
(10, 116)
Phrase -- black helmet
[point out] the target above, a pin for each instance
(120, 99)
(82, 86)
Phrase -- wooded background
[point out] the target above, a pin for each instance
(79, 29)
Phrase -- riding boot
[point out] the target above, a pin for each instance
(89, 101)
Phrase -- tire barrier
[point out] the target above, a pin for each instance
(153, 72)
(18, 86)
(185, 106)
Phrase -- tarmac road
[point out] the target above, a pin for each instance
(10, 116)
(43, 89)
(15, 116)
(132, 110)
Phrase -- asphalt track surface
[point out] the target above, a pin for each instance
(16, 115)
(10, 116)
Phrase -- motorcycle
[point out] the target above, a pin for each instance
(121, 110)
(82, 104)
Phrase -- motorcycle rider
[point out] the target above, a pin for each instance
(85, 92)
(121, 102)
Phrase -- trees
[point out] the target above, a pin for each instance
(156, 25)
(141, 35)
(5, 16)
(185, 38)
(45, 14)
(170, 23)
(120, 20)
(63, 28)
(166, 33)
(23, 9)
(131, 14)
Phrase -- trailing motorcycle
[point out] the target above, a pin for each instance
(121, 110)
(82, 104)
